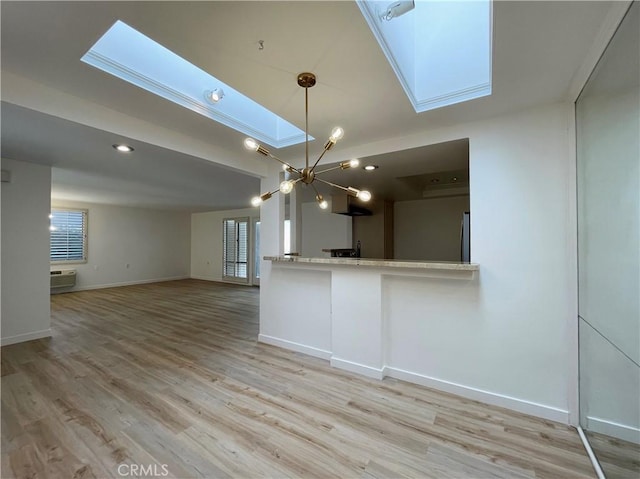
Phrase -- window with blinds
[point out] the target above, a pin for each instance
(68, 236)
(235, 248)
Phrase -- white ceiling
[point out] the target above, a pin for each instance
(185, 161)
(87, 167)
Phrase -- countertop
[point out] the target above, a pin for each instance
(378, 263)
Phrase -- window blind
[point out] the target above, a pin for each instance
(68, 235)
(235, 247)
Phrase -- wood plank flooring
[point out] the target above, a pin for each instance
(167, 379)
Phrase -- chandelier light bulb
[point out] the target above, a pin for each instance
(364, 195)
(322, 203)
(258, 200)
(336, 134)
(251, 144)
(286, 187)
(350, 164)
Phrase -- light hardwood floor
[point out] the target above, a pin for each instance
(170, 374)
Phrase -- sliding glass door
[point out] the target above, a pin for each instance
(256, 251)
(235, 244)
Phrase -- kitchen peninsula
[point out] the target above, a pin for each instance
(380, 263)
(369, 316)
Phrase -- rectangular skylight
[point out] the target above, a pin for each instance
(128, 54)
(440, 50)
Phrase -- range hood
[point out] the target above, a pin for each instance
(348, 205)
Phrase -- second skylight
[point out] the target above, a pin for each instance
(128, 54)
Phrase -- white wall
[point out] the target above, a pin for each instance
(370, 230)
(311, 332)
(155, 244)
(322, 229)
(206, 241)
(429, 229)
(510, 338)
(25, 252)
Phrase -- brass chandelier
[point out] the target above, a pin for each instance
(308, 174)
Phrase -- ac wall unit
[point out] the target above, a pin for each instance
(63, 278)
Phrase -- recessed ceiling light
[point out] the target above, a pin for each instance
(214, 96)
(371, 167)
(123, 148)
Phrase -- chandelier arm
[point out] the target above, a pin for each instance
(333, 184)
(319, 158)
(329, 169)
(315, 189)
(283, 162)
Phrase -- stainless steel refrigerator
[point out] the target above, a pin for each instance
(465, 238)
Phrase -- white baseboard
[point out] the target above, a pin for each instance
(123, 283)
(357, 368)
(534, 409)
(526, 407)
(614, 429)
(21, 338)
(206, 278)
(220, 280)
(297, 347)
